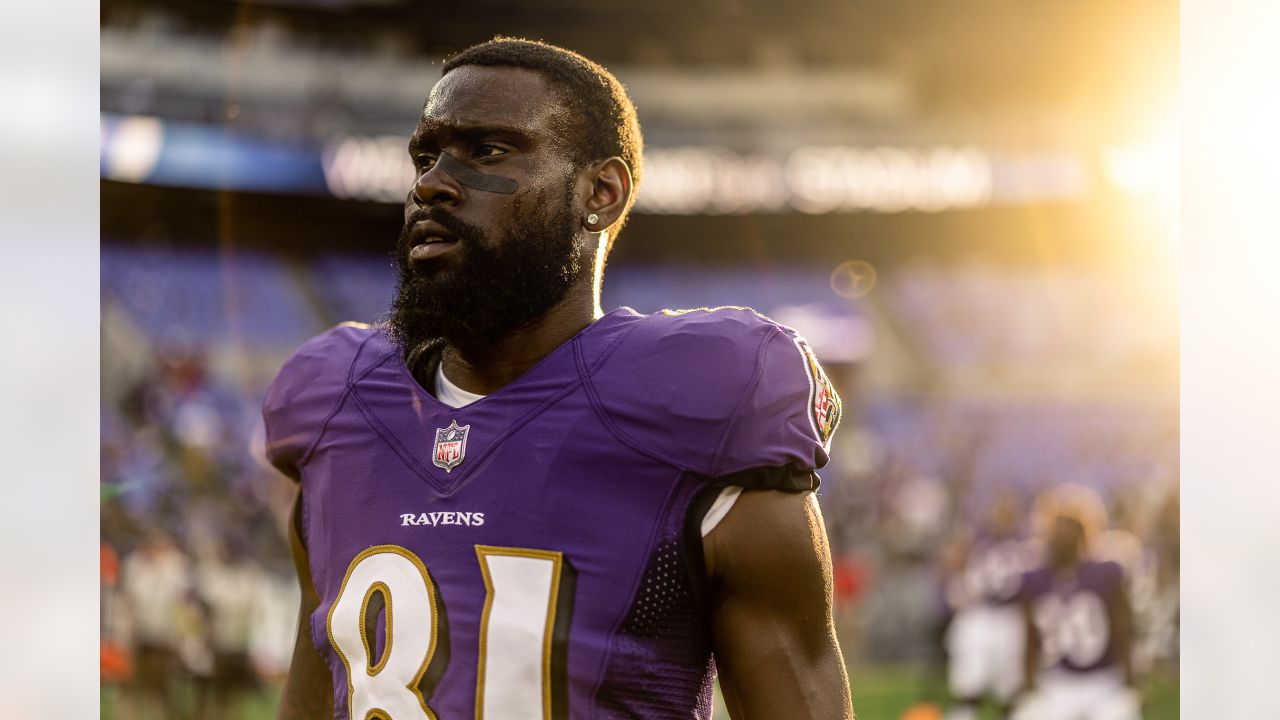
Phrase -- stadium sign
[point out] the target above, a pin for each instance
(718, 181)
(694, 180)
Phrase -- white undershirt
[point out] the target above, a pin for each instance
(455, 397)
(450, 394)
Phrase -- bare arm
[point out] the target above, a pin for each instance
(308, 692)
(773, 633)
(1120, 614)
(1031, 649)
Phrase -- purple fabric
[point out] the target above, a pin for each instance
(995, 568)
(1075, 641)
(597, 452)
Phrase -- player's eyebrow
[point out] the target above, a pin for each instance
(445, 131)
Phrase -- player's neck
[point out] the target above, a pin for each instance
(484, 372)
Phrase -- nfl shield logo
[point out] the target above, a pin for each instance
(451, 446)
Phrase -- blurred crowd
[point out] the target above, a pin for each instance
(199, 601)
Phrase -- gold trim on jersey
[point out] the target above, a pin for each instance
(557, 560)
(377, 586)
(378, 713)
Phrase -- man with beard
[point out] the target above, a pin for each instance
(513, 505)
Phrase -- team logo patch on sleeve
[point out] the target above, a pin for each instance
(824, 402)
(451, 446)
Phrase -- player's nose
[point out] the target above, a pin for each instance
(435, 187)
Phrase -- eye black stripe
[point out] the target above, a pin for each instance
(473, 178)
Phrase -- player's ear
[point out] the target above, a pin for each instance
(610, 189)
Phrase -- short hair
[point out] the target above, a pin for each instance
(602, 117)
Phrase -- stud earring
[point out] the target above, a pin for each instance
(592, 219)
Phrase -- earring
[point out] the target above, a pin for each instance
(592, 219)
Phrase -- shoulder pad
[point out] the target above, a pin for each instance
(718, 391)
(308, 388)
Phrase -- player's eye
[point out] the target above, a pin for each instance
(424, 162)
(489, 150)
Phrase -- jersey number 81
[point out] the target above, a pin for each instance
(528, 596)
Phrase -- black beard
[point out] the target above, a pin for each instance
(488, 289)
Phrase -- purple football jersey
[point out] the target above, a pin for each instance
(535, 553)
(993, 572)
(1071, 617)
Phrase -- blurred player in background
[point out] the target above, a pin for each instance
(1122, 544)
(229, 587)
(1080, 625)
(986, 638)
(156, 587)
(514, 505)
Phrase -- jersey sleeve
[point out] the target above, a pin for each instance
(1110, 576)
(787, 415)
(718, 392)
(304, 393)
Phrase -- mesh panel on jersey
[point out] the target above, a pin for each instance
(664, 595)
(660, 665)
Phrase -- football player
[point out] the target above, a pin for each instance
(1122, 544)
(985, 639)
(1078, 617)
(515, 506)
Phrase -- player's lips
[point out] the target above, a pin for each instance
(429, 240)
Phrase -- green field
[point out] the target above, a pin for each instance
(881, 693)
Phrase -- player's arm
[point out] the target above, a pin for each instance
(1031, 648)
(308, 691)
(770, 585)
(1120, 615)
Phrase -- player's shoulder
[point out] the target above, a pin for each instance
(679, 334)
(725, 384)
(337, 346)
(311, 382)
(342, 350)
(709, 355)
(328, 361)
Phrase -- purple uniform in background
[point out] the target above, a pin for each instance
(536, 553)
(1071, 617)
(986, 638)
(994, 570)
